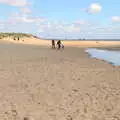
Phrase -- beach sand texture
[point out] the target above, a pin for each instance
(44, 84)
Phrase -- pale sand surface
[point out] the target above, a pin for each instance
(46, 84)
(36, 41)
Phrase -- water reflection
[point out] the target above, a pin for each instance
(109, 56)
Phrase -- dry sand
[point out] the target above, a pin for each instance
(45, 84)
(36, 41)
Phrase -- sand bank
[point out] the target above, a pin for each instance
(36, 41)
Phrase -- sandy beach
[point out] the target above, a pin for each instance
(44, 84)
(71, 43)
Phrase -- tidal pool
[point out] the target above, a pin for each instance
(109, 56)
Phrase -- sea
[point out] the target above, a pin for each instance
(109, 56)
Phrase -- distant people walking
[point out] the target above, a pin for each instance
(53, 44)
(59, 44)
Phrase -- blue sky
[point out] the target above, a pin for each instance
(93, 19)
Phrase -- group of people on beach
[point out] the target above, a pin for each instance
(59, 44)
(17, 38)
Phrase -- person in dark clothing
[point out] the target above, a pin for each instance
(59, 44)
(53, 44)
(62, 46)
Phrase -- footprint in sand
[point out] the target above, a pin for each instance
(69, 117)
(28, 118)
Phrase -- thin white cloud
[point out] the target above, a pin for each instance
(116, 19)
(80, 23)
(29, 20)
(57, 28)
(18, 3)
(25, 10)
(94, 8)
(25, 18)
(70, 28)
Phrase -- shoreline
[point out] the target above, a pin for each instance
(102, 59)
(110, 48)
(36, 41)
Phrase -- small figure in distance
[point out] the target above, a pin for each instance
(18, 38)
(53, 44)
(63, 46)
(59, 44)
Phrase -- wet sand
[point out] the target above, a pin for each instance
(44, 84)
(113, 48)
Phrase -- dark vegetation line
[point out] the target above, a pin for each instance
(15, 35)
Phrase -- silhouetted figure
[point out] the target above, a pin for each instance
(14, 39)
(59, 44)
(53, 44)
(18, 38)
